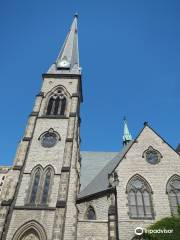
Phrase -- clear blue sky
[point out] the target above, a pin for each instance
(130, 55)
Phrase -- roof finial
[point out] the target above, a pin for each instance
(127, 135)
(76, 15)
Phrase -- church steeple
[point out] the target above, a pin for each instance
(68, 58)
(127, 135)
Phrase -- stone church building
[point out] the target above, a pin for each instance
(54, 191)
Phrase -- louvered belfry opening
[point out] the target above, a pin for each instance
(57, 104)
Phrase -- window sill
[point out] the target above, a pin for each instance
(142, 218)
(54, 116)
(93, 221)
(34, 207)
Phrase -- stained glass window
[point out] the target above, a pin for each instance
(57, 104)
(91, 214)
(49, 139)
(173, 189)
(46, 187)
(139, 199)
(35, 187)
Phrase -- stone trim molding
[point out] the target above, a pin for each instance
(61, 75)
(16, 167)
(150, 148)
(65, 169)
(61, 204)
(26, 139)
(33, 114)
(40, 94)
(69, 139)
(54, 117)
(73, 114)
(95, 195)
(75, 95)
(35, 207)
(27, 227)
(6, 202)
(94, 221)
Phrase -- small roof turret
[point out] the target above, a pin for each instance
(127, 135)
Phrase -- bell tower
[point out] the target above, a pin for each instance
(42, 203)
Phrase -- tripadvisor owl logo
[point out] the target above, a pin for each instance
(138, 231)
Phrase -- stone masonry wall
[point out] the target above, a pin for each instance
(94, 229)
(156, 175)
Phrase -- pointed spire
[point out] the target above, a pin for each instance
(127, 135)
(68, 59)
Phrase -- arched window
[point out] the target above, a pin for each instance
(173, 190)
(31, 234)
(46, 187)
(90, 214)
(57, 103)
(50, 106)
(139, 238)
(139, 198)
(35, 186)
(40, 185)
(30, 231)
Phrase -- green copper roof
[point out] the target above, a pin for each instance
(127, 135)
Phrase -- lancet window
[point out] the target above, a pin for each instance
(173, 190)
(139, 198)
(57, 103)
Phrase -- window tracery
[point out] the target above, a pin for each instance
(40, 189)
(57, 103)
(31, 230)
(151, 155)
(173, 190)
(35, 186)
(139, 198)
(30, 236)
(49, 139)
(46, 187)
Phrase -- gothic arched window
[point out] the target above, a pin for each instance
(173, 190)
(31, 230)
(139, 198)
(90, 214)
(31, 234)
(45, 192)
(35, 186)
(57, 103)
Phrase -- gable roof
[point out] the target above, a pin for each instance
(178, 149)
(92, 163)
(146, 124)
(100, 182)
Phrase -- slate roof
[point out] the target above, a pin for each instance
(178, 149)
(69, 51)
(92, 163)
(100, 182)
